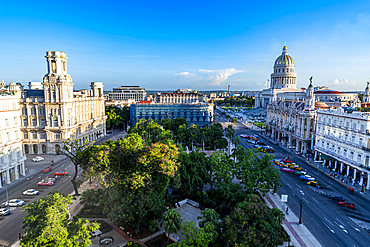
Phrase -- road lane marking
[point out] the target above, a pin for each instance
(315, 200)
(305, 200)
(298, 186)
(342, 227)
(289, 185)
(352, 197)
(328, 227)
(340, 221)
(301, 192)
(328, 221)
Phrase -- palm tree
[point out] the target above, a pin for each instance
(229, 132)
(209, 215)
(172, 222)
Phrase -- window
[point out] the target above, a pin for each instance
(34, 122)
(335, 122)
(57, 136)
(25, 122)
(346, 138)
(359, 158)
(43, 135)
(55, 123)
(351, 156)
(34, 135)
(347, 124)
(362, 128)
(339, 150)
(354, 126)
(25, 135)
(42, 122)
(345, 153)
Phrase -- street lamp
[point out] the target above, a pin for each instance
(300, 212)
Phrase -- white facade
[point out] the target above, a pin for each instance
(55, 113)
(179, 98)
(345, 137)
(11, 150)
(125, 93)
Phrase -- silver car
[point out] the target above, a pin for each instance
(30, 192)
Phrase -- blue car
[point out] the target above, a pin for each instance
(307, 178)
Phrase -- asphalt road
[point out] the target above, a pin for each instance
(327, 221)
(11, 225)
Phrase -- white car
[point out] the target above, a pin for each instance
(38, 158)
(30, 192)
(4, 211)
(96, 233)
(14, 203)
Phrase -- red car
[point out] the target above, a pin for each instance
(347, 204)
(60, 173)
(246, 127)
(286, 161)
(47, 169)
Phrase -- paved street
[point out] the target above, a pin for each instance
(327, 221)
(11, 225)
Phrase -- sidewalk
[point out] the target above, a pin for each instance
(299, 234)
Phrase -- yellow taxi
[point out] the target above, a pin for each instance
(313, 183)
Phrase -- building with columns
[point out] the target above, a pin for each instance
(343, 142)
(284, 81)
(11, 150)
(292, 121)
(54, 112)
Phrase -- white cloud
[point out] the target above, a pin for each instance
(186, 74)
(340, 81)
(217, 77)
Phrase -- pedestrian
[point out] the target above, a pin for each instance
(286, 211)
(19, 236)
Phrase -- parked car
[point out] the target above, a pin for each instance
(96, 233)
(337, 198)
(47, 169)
(306, 177)
(314, 184)
(4, 211)
(62, 173)
(300, 173)
(287, 170)
(14, 203)
(37, 159)
(347, 204)
(45, 182)
(295, 167)
(30, 192)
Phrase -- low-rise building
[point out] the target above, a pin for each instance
(179, 98)
(200, 114)
(125, 93)
(11, 150)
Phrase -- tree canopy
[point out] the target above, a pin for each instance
(48, 224)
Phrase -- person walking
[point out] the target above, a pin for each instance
(19, 236)
(286, 211)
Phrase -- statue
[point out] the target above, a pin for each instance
(312, 77)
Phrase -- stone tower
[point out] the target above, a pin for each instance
(310, 97)
(58, 86)
(366, 97)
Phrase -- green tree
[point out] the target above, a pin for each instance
(256, 171)
(47, 224)
(195, 236)
(182, 133)
(220, 169)
(172, 222)
(229, 133)
(253, 223)
(78, 153)
(194, 134)
(117, 117)
(150, 131)
(209, 215)
(193, 170)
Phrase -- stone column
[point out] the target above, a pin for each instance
(7, 176)
(290, 140)
(341, 167)
(367, 184)
(354, 174)
(347, 170)
(302, 127)
(16, 172)
(308, 127)
(315, 155)
(335, 164)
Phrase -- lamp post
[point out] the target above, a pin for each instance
(300, 212)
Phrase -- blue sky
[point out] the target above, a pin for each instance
(201, 45)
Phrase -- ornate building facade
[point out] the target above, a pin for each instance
(292, 121)
(178, 98)
(54, 113)
(343, 141)
(11, 150)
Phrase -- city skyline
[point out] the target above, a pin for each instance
(166, 45)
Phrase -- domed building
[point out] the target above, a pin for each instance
(283, 79)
